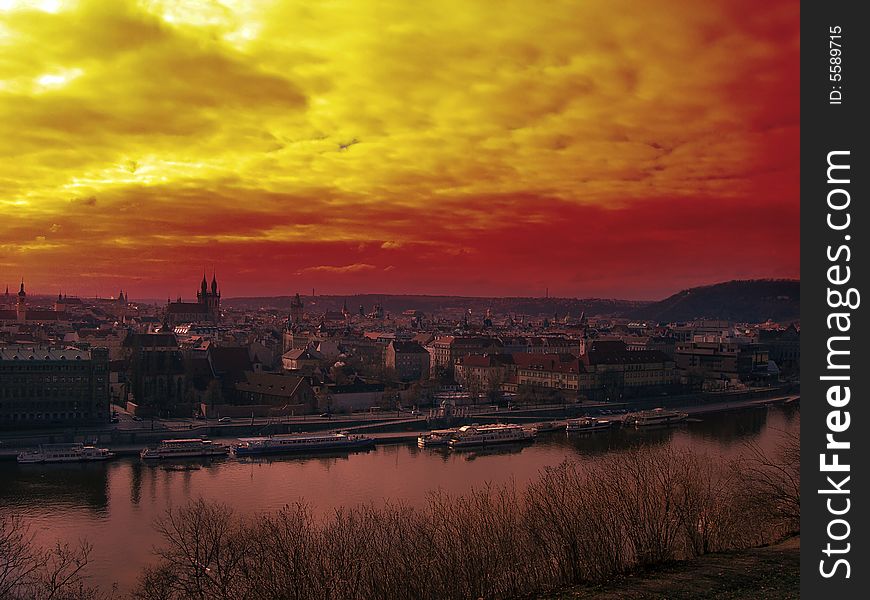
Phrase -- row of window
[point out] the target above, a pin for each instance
(42, 368)
(47, 417)
(49, 405)
(40, 378)
(41, 392)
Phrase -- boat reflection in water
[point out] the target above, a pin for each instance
(491, 451)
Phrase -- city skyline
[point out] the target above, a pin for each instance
(467, 149)
(190, 293)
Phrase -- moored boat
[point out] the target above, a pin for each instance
(187, 448)
(301, 442)
(60, 453)
(486, 435)
(658, 417)
(586, 424)
(435, 438)
(548, 426)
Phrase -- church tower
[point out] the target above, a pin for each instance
(296, 311)
(213, 300)
(202, 294)
(21, 309)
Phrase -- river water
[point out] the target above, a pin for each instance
(113, 505)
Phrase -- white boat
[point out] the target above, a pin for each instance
(487, 435)
(60, 453)
(301, 442)
(436, 437)
(657, 417)
(585, 424)
(189, 448)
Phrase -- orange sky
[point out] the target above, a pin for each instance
(595, 147)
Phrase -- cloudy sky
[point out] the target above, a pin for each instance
(594, 147)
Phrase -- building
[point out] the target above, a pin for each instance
(620, 373)
(715, 362)
(53, 386)
(268, 394)
(484, 373)
(297, 312)
(303, 360)
(229, 365)
(155, 373)
(556, 372)
(492, 374)
(353, 396)
(206, 309)
(783, 346)
(68, 304)
(409, 360)
(703, 328)
(540, 345)
(447, 350)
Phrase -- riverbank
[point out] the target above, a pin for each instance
(131, 443)
(767, 573)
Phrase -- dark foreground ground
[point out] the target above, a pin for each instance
(770, 573)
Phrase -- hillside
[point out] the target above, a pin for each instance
(751, 301)
(768, 573)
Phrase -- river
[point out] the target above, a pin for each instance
(113, 505)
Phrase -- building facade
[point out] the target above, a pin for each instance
(555, 372)
(155, 373)
(448, 349)
(409, 360)
(708, 359)
(53, 386)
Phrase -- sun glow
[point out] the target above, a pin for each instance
(53, 80)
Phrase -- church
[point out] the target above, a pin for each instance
(206, 309)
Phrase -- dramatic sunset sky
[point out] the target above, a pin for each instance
(498, 147)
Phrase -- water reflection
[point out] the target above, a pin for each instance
(58, 485)
(114, 504)
(324, 457)
(501, 449)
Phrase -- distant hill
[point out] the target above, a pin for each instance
(752, 301)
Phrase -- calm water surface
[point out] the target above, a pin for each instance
(113, 505)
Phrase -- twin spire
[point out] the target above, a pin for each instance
(214, 283)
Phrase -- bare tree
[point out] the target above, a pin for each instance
(772, 480)
(577, 522)
(29, 572)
